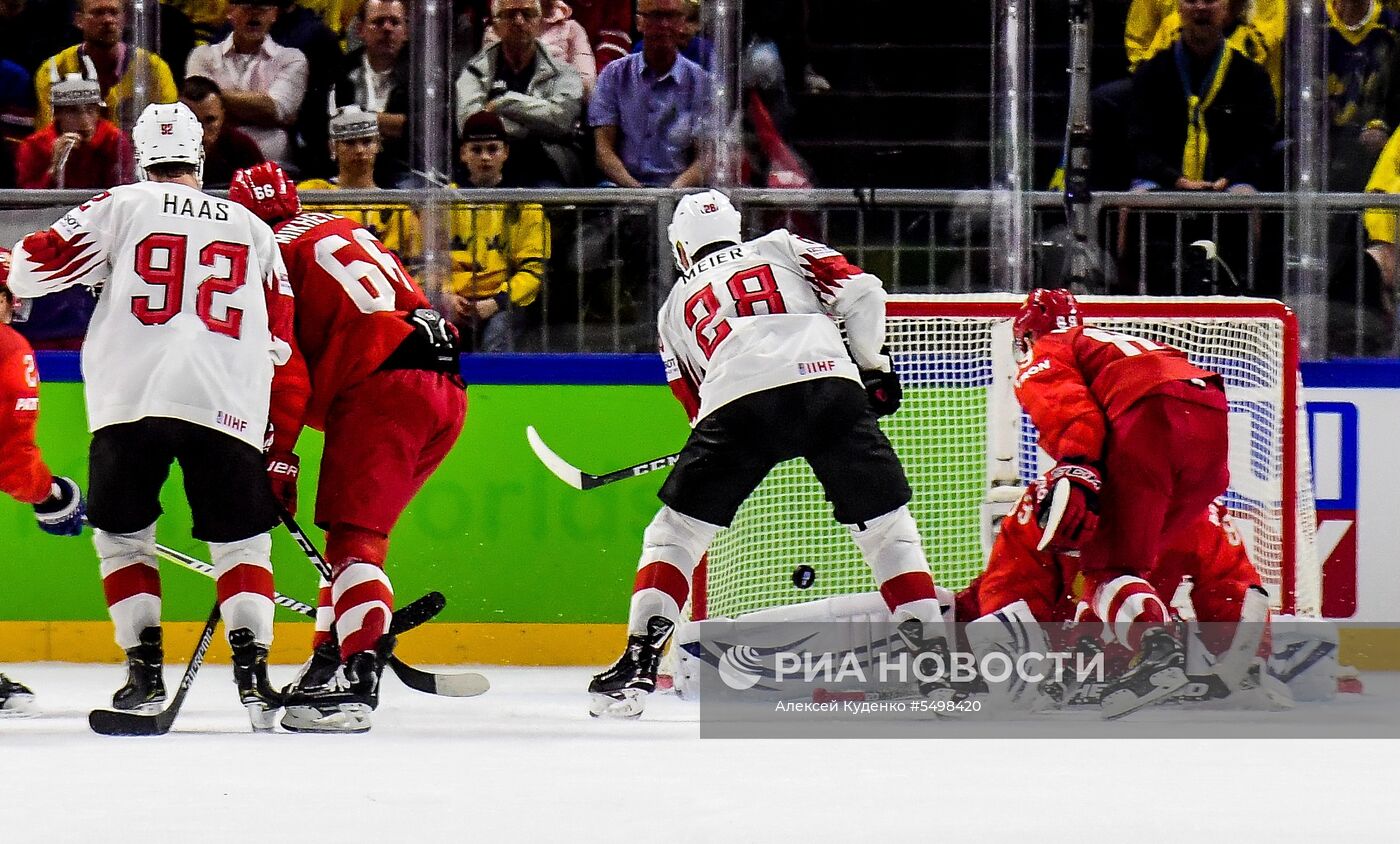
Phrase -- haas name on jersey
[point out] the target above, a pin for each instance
(205, 209)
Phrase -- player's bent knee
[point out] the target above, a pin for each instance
(255, 550)
(118, 550)
(676, 534)
(882, 534)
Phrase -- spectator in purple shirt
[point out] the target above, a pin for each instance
(648, 107)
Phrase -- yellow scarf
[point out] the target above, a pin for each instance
(1193, 157)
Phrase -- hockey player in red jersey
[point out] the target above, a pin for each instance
(386, 389)
(1140, 437)
(753, 353)
(58, 503)
(192, 316)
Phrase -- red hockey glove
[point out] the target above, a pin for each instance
(265, 190)
(1067, 506)
(283, 467)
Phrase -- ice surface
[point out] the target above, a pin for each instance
(525, 763)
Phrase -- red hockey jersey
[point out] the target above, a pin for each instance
(352, 295)
(23, 473)
(1212, 553)
(1076, 380)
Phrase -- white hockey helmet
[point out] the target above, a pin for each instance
(168, 133)
(701, 219)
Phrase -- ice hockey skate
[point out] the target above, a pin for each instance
(620, 691)
(343, 704)
(1160, 671)
(145, 684)
(16, 699)
(915, 636)
(250, 674)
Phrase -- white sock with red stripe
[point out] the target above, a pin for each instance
(671, 546)
(130, 581)
(243, 579)
(892, 549)
(364, 605)
(1128, 605)
(325, 614)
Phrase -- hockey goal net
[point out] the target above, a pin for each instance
(966, 445)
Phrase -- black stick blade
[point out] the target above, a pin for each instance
(111, 723)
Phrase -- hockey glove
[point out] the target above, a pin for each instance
(882, 385)
(62, 513)
(283, 467)
(1067, 508)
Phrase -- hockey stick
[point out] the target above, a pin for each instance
(579, 479)
(109, 722)
(463, 684)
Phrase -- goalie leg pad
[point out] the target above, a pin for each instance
(130, 581)
(1013, 632)
(671, 547)
(893, 550)
(243, 580)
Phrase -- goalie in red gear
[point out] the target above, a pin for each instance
(1140, 436)
(385, 387)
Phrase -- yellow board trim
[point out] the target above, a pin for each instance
(431, 644)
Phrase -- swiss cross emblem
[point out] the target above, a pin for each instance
(167, 128)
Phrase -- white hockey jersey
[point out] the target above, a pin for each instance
(181, 327)
(761, 314)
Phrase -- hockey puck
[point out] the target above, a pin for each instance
(803, 576)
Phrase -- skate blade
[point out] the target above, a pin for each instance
(262, 719)
(1122, 702)
(19, 706)
(348, 718)
(627, 703)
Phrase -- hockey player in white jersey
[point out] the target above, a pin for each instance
(193, 313)
(752, 350)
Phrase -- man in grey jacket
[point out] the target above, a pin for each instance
(538, 99)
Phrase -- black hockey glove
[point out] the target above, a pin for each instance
(62, 513)
(883, 387)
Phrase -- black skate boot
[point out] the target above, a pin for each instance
(318, 672)
(145, 685)
(342, 705)
(918, 642)
(1160, 670)
(1071, 690)
(250, 673)
(16, 700)
(620, 691)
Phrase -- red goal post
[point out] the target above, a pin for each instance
(968, 449)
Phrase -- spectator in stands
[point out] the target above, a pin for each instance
(176, 40)
(118, 64)
(263, 82)
(209, 18)
(80, 148)
(1379, 271)
(301, 26)
(16, 116)
(609, 27)
(648, 108)
(31, 31)
(1362, 49)
(1202, 112)
(355, 139)
(376, 77)
(226, 149)
(565, 39)
(697, 47)
(538, 98)
(1254, 27)
(500, 251)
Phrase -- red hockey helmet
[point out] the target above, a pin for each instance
(1042, 312)
(265, 190)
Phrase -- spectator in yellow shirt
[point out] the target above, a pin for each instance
(118, 65)
(1257, 31)
(355, 140)
(499, 250)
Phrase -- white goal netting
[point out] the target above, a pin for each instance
(960, 433)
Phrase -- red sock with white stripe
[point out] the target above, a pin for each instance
(325, 615)
(361, 594)
(1128, 605)
(130, 582)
